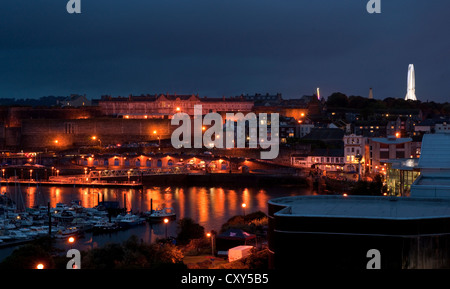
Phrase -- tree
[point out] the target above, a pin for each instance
(337, 99)
(188, 229)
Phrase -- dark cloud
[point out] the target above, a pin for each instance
(219, 48)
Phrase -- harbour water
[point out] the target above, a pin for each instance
(209, 206)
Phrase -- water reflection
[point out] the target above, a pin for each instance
(209, 206)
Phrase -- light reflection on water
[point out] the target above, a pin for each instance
(209, 206)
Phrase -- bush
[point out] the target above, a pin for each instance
(251, 223)
(133, 254)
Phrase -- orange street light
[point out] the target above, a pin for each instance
(178, 109)
(166, 221)
(71, 240)
(244, 205)
(40, 266)
(210, 235)
(56, 141)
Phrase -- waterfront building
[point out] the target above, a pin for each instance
(326, 160)
(400, 175)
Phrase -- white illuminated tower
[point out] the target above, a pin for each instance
(318, 94)
(411, 87)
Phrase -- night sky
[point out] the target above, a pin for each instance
(217, 48)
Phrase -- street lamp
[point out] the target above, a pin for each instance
(166, 221)
(128, 176)
(57, 173)
(99, 140)
(358, 158)
(243, 207)
(31, 173)
(71, 240)
(211, 235)
(40, 266)
(159, 137)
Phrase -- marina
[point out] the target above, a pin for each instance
(209, 206)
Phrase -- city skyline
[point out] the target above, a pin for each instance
(217, 49)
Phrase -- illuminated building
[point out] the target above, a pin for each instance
(354, 145)
(165, 105)
(383, 149)
(400, 175)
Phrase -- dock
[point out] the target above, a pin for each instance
(96, 184)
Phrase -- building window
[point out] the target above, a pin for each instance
(159, 163)
(148, 163)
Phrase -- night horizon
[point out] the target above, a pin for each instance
(223, 49)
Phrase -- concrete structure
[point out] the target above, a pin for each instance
(337, 232)
(411, 84)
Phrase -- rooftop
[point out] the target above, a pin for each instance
(363, 207)
(435, 152)
(391, 140)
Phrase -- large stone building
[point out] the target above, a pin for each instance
(157, 106)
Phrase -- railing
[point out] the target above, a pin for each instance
(135, 172)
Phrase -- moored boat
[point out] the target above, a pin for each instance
(159, 215)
